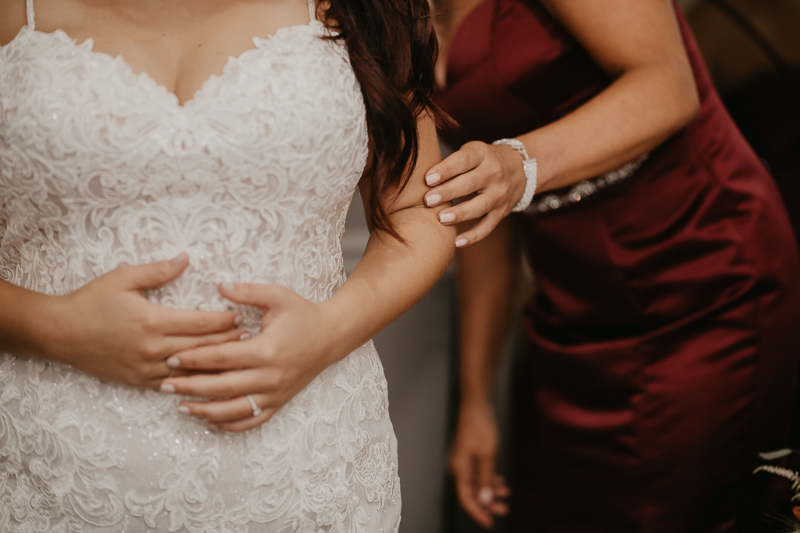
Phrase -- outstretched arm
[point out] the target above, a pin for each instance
(653, 95)
(300, 338)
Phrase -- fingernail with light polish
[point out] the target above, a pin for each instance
(168, 388)
(173, 362)
(485, 496)
(182, 409)
(433, 199)
(239, 319)
(433, 179)
(227, 286)
(178, 260)
(211, 426)
(461, 242)
(446, 217)
(244, 336)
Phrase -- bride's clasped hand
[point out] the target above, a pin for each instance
(298, 340)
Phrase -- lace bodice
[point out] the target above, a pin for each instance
(101, 167)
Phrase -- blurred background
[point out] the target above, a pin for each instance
(752, 50)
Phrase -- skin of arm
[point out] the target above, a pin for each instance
(299, 338)
(487, 275)
(653, 95)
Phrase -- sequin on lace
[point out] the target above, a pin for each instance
(100, 167)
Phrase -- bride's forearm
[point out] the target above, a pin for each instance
(23, 324)
(390, 278)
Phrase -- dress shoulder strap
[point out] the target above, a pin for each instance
(312, 10)
(31, 20)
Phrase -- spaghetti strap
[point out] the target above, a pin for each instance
(312, 10)
(31, 21)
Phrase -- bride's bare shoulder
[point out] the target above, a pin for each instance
(12, 19)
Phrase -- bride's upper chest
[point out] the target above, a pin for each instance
(178, 44)
(136, 89)
(80, 124)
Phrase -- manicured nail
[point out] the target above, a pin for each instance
(227, 286)
(178, 260)
(485, 496)
(244, 336)
(168, 388)
(446, 217)
(182, 409)
(173, 362)
(433, 179)
(433, 199)
(211, 426)
(239, 319)
(461, 242)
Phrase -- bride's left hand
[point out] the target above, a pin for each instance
(294, 346)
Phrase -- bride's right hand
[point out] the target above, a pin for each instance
(108, 329)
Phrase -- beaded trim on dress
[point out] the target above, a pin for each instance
(582, 190)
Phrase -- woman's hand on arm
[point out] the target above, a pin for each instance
(487, 281)
(107, 328)
(652, 96)
(493, 173)
(300, 338)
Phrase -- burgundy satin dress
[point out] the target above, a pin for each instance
(665, 329)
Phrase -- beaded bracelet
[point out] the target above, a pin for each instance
(529, 167)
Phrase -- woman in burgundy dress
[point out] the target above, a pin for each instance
(665, 325)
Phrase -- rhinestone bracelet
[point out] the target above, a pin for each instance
(529, 167)
(586, 188)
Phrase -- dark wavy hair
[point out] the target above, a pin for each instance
(393, 50)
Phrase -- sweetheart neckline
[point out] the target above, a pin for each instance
(87, 46)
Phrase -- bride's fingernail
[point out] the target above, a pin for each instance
(211, 426)
(238, 320)
(433, 179)
(446, 217)
(182, 409)
(485, 496)
(173, 362)
(227, 286)
(461, 242)
(244, 336)
(433, 199)
(168, 388)
(178, 260)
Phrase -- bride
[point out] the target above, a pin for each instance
(174, 179)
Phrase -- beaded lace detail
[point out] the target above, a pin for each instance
(100, 167)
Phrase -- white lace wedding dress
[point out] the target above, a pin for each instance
(101, 167)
